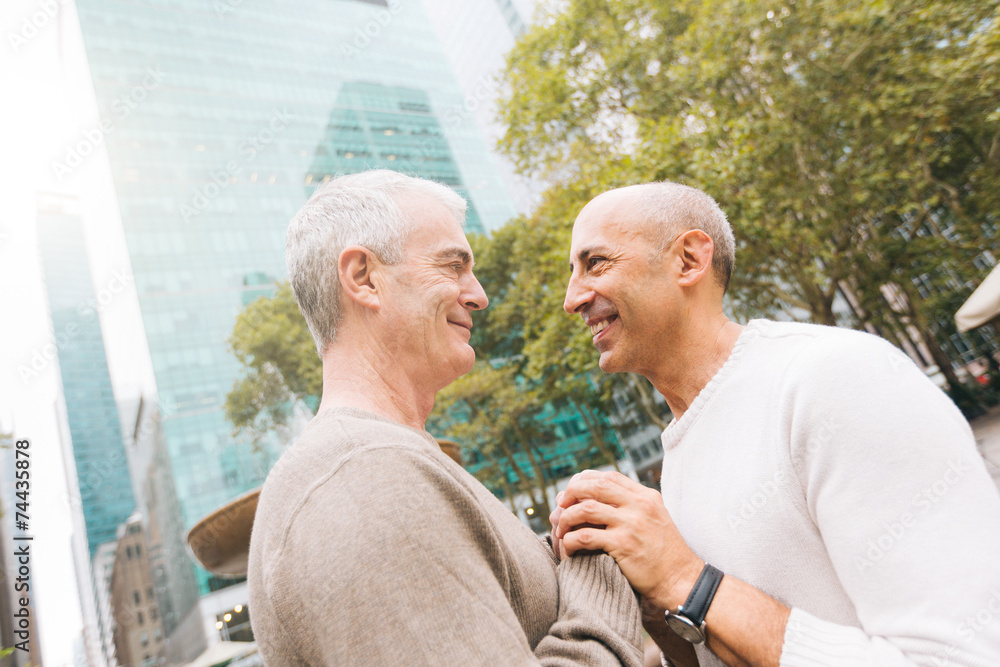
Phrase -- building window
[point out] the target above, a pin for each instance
(139, 616)
(128, 552)
(144, 639)
(135, 596)
(138, 551)
(149, 593)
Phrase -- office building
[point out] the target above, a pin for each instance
(477, 35)
(101, 466)
(173, 575)
(138, 634)
(100, 489)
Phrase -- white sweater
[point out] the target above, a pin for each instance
(822, 467)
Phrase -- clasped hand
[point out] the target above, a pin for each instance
(609, 512)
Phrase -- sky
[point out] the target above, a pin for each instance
(48, 108)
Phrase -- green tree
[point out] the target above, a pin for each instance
(273, 345)
(854, 145)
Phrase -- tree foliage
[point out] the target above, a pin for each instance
(854, 145)
(273, 345)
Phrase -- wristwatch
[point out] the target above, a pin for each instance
(689, 619)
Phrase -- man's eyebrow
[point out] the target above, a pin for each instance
(581, 256)
(455, 253)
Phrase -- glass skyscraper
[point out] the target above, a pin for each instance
(91, 412)
(97, 469)
(220, 118)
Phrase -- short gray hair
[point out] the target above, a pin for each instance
(357, 209)
(675, 209)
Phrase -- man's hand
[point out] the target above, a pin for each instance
(637, 531)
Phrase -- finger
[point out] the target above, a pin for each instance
(601, 488)
(586, 512)
(611, 475)
(586, 474)
(554, 516)
(627, 482)
(585, 540)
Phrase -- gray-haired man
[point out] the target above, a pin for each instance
(370, 546)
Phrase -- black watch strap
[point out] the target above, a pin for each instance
(696, 606)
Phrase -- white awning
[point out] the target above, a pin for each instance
(983, 305)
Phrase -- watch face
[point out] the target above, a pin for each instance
(683, 627)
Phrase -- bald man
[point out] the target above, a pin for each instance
(823, 503)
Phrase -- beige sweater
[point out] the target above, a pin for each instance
(372, 547)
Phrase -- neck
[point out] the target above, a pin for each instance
(694, 359)
(358, 372)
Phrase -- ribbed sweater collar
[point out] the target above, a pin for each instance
(676, 429)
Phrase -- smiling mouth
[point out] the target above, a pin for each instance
(598, 327)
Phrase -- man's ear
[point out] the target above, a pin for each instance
(355, 270)
(695, 248)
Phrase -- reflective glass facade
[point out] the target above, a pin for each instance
(220, 118)
(91, 412)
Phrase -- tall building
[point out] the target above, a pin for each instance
(138, 634)
(220, 119)
(101, 566)
(477, 35)
(86, 413)
(92, 414)
(173, 575)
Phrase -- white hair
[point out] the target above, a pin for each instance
(357, 209)
(674, 209)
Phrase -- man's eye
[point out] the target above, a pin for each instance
(594, 261)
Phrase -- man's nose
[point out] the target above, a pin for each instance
(475, 296)
(577, 296)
